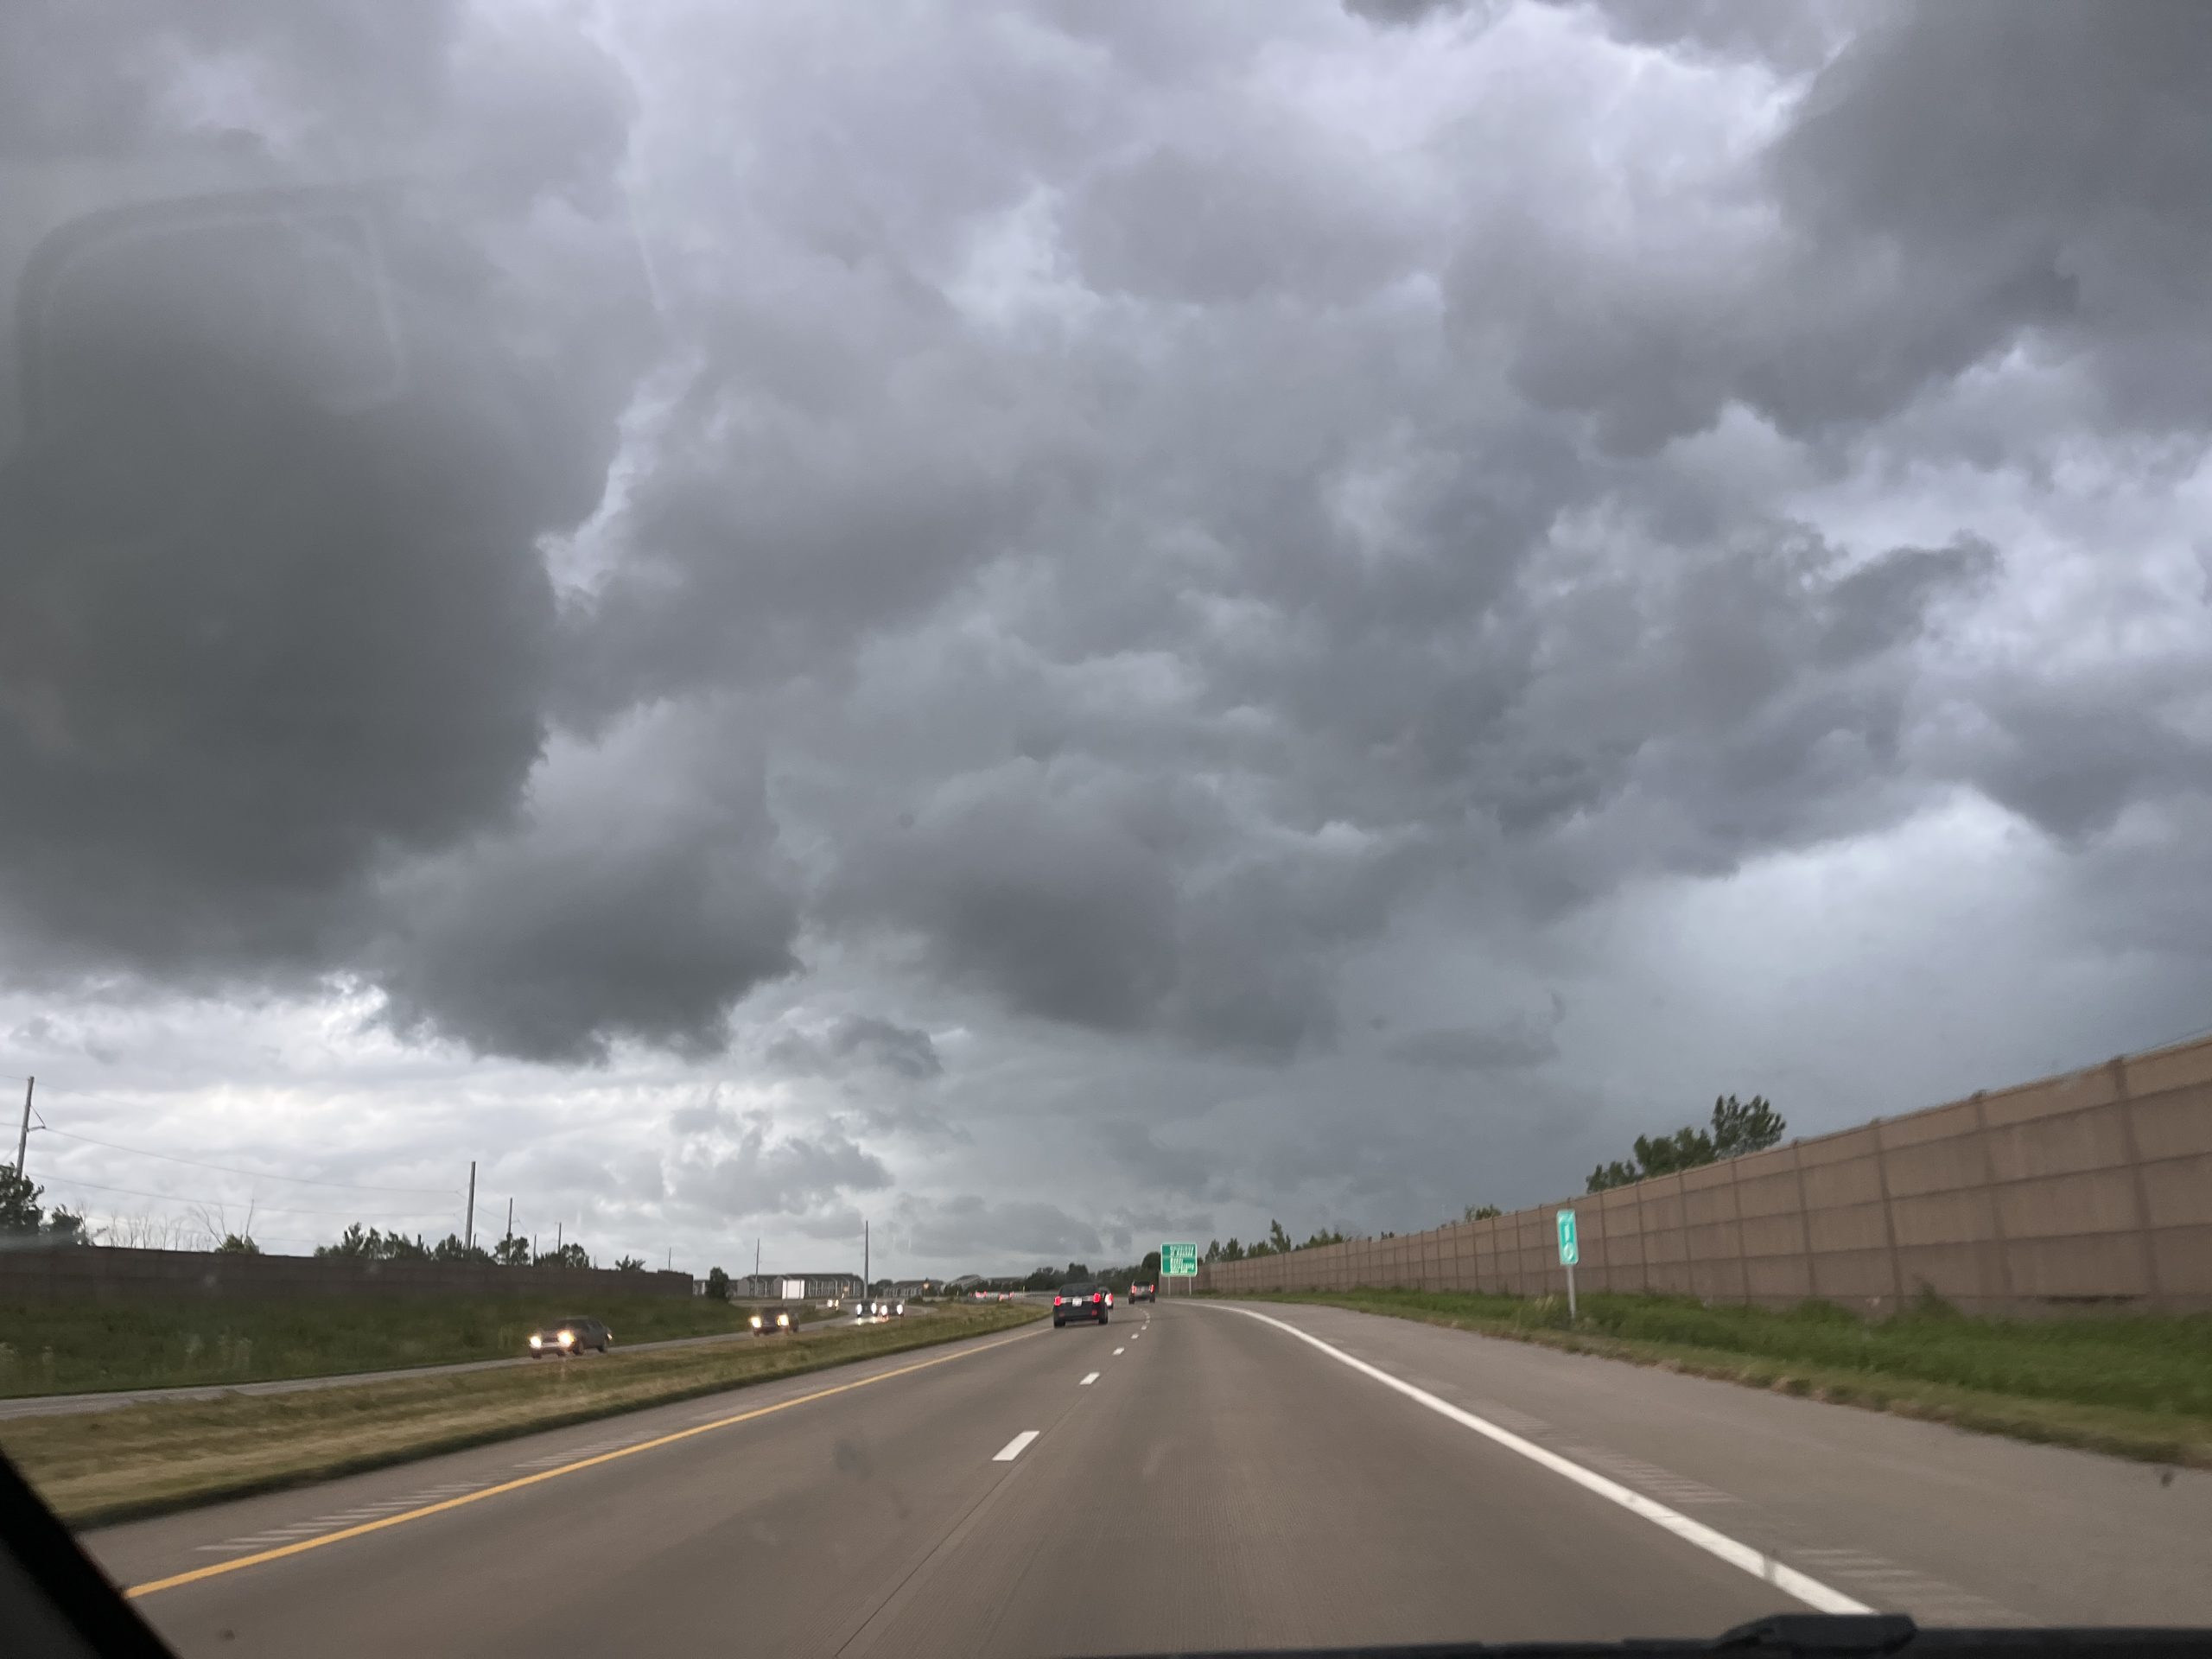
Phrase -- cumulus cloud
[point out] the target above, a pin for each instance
(1029, 585)
(759, 1173)
(1515, 1042)
(855, 1040)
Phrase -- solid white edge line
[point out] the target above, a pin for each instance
(1014, 1447)
(1807, 1589)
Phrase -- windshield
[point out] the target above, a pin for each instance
(1493, 717)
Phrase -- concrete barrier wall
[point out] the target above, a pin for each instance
(94, 1274)
(2095, 1187)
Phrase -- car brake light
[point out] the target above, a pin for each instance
(1055, 1301)
(1094, 1296)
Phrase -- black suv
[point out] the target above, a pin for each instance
(1082, 1301)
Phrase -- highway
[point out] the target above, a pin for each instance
(70, 1405)
(1193, 1475)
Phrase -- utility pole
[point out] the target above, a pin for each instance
(468, 1227)
(868, 1285)
(510, 1233)
(557, 1227)
(24, 1138)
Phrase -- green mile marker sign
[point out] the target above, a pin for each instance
(1570, 1248)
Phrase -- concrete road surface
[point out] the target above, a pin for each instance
(1190, 1475)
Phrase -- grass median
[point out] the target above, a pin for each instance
(81, 1347)
(139, 1460)
(2133, 1386)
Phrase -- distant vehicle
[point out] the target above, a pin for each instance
(768, 1321)
(570, 1336)
(1144, 1293)
(885, 1310)
(1082, 1301)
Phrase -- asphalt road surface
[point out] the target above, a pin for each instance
(68, 1405)
(1190, 1475)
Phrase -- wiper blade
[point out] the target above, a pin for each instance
(1786, 1636)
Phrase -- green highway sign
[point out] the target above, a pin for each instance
(1178, 1261)
(1570, 1248)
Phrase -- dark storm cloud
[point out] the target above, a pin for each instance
(1110, 527)
(311, 643)
(1959, 181)
(235, 687)
(1091, 904)
(856, 1039)
(597, 921)
(1517, 1041)
(2018, 171)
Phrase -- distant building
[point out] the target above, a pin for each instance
(778, 1286)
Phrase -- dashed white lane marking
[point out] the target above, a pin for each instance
(1120, 1351)
(1649, 1477)
(1789, 1580)
(337, 1518)
(1916, 1593)
(1088, 1381)
(1014, 1447)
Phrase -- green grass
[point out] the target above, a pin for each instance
(2137, 1385)
(77, 1347)
(95, 1467)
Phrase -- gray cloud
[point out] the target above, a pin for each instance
(1130, 543)
(766, 1175)
(1515, 1042)
(961, 1226)
(857, 1039)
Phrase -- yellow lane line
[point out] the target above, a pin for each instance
(217, 1569)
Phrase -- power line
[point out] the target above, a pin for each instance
(252, 1174)
(270, 1208)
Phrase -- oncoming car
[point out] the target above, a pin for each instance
(1081, 1302)
(570, 1336)
(768, 1321)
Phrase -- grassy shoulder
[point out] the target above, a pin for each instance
(138, 1460)
(2132, 1386)
(88, 1347)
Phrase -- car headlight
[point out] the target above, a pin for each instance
(784, 1319)
(538, 1342)
(568, 1337)
(756, 1321)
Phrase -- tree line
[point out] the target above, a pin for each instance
(1737, 1127)
(363, 1243)
(22, 1215)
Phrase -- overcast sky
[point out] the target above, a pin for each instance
(1057, 626)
